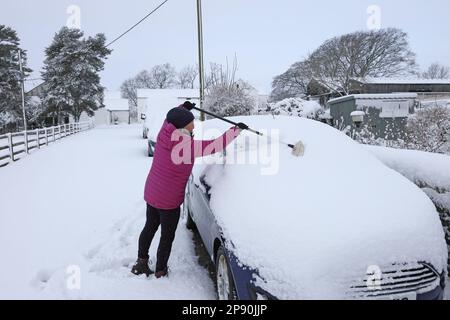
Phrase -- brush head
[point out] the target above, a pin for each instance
(298, 149)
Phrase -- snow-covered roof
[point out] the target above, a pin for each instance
(116, 104)
(383, 96)
(403, 81)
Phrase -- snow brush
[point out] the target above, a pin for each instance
(298, 149)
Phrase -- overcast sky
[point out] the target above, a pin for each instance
(266, 35)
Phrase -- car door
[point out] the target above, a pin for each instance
(202, 213)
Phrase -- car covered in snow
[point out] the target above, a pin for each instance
(335, 223)
(156, 103)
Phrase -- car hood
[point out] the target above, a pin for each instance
(307, 224)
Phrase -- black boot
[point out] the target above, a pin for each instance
(141, 267)
(162, 274)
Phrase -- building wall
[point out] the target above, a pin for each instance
(122, 116)
(369, 88)
(101, 117)
(386, 128)
(141, 108)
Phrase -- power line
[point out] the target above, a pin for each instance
(123, 34)
(138, 23)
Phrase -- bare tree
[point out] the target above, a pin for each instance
(187, 76)
(163, 76)
(144, 79)
(437, 71)
(382, 53)
(293, 83)
(128, 90)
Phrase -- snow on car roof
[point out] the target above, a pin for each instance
(306, 229)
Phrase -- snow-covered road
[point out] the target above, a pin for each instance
(76, 207)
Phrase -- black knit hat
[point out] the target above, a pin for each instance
(180, 117)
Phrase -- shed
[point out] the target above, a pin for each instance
(118, 110)
(385, 115)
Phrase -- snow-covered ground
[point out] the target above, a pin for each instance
(76, 207)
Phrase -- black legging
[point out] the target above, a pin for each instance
(168, 219)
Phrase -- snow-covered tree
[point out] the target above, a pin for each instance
(429, 130)
(227, 97)
(10, 77)
(294, 107)
(35, 109)
(71, 73)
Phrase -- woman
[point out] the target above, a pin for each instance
(173, 161)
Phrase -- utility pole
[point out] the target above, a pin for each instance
(22, 80)
(200, 57)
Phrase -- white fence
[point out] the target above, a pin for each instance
(13, 146)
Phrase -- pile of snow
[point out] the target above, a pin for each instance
(314, 224)
(430, 171)
(77, 208)
(423, 168)
(295, 107)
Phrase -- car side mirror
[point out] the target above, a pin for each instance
(143, 116)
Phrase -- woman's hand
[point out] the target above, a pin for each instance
(241, 126)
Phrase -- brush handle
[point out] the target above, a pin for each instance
(226, 120)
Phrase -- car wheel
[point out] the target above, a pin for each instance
(226, 290)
